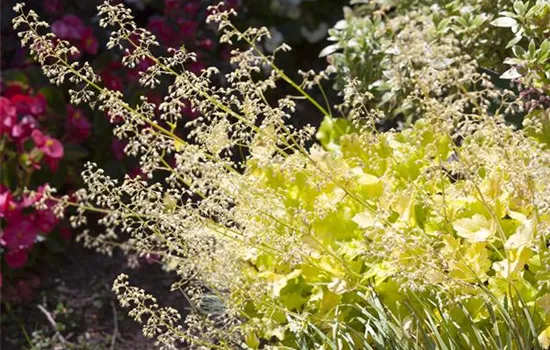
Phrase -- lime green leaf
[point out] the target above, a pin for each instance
(517, 259)
(366, 220)
(544, 338)
(474, 229)
(473, 264)
(337, 286)
(524, 235)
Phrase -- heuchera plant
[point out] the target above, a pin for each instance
(46, 141)
(433, 236)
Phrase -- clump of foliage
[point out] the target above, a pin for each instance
(391, 47)
(434, 236)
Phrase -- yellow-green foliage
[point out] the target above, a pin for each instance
(413, 211)
(432, 236)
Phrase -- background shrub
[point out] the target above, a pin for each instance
(391, 48)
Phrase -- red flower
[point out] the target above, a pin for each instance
(195, 67)
(69, 27)
(117, 146)
(53, 7)
(111, 81)
(13, 88)
(187, 29)
(232, 4)
(65, 233)
(191, 8)
(8, 116)
(46, 221)
(162, 30)
(89, 42)
(19, 233)
(135, 172)
(77, 126)
(73, 29)
(170, 6)
(17, 258)
(134, 74)
(26, 104)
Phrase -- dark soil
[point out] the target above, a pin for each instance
(75, 288)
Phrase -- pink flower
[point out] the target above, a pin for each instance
(8, 116)
(24, 128)
(69, 27)
(5, 200)
(8, 208)
(51, 147)
(117, 146)
(207, 44)
(17, 258)
(89, 42)
(19, 233)
(77, 126)
(28, 201)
